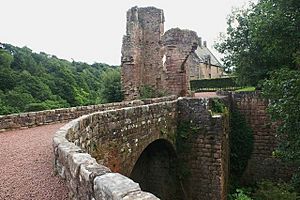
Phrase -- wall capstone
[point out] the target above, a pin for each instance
(33, 119)
(121, 135)
(85, 178)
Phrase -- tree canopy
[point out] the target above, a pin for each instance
(262, 47)
(37, 81)
(262, 38)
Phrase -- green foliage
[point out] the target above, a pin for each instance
(36, 107)
(217, 106)
(31, 81)
(241, 144)
(261, 39)
(184, 133)
(246, 89)
(240, 194)
(147, 91)
(217, 83)
(295, 182)
(268, 190)
(112, 89)
(5, 58)
(283, 91)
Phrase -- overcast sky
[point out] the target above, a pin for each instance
(91, 30)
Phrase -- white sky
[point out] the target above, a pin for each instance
(92, 30)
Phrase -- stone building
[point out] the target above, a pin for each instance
(207, 65)
(165, 61)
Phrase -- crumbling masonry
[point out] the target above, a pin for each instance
(156, 59)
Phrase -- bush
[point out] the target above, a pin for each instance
(217, 83)
(282, 90)
(217, 106)
(36, 107)
(240, 194)
(147, 91)
(268, 190)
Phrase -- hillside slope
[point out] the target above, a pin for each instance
(37, 81)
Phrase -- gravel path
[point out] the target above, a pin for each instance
(26, 171)
(206, 94)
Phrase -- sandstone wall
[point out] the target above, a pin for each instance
(163, 61)
(141, 50)
(86, 179)
(178, 49)
(32, 119)
(207, 157)
(155, 59)
(116, 139)
(261, 165)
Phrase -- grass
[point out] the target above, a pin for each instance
(246, 89)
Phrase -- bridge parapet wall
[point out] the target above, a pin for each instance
(91, 152)
(206, 150)
(116, 138)
(87, 179)
(32, 119)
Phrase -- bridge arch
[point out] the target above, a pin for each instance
(92, 152)
(156, 170)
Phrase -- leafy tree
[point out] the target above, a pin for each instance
(18, 99)
(262, 46)
(283, 90)
(32, 84)
(5, 58)
(37, 81)
(262, 38)
(112, 90)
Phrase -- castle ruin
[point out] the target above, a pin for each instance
(165, 61)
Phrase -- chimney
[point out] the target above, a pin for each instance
(200, 41)
(204, 44)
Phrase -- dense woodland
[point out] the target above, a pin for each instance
(37, 81)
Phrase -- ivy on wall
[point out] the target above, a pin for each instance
(241, 144)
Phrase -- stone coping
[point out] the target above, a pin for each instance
(32, 119)
(87, 179)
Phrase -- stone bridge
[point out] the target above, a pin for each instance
(174, 148)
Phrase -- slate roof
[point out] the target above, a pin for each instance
(204, 53)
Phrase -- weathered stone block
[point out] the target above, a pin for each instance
(113, 186)
(140, 196)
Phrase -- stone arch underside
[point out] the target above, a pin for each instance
(156, 170)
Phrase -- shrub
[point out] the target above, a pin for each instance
(217, 106)
(217, 83)
(240, 194)
(36, 107)
(147, 91)
(268, 190)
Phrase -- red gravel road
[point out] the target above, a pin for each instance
(26, 169)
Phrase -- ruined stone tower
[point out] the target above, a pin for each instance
(141, 50)
(178, 47)
(153, 58)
